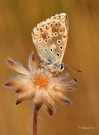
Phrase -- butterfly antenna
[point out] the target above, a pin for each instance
(71, 74)
(74, 68)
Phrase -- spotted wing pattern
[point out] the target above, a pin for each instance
(50, 38)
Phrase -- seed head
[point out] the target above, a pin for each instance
(39, 85)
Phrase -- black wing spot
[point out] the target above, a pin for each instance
(61, 47)
(52, 34)
(46, 41)
(41, 29)
(55, 34)
(56, 24)
(45, 49)
(51, 24)
(59, 41)
(40, 40)
(58, 54)
(64, 36)
(47, 27)
(48, 37)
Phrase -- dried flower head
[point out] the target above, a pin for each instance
(39, 85)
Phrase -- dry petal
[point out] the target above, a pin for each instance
(39, 85)
(17, 66)
(50, 109)
(32, 63)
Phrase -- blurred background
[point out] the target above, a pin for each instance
(17, 19)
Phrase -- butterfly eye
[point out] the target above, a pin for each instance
(62, 67)
(46, 41)
(40, 40)
(55, 34)
(59, 41)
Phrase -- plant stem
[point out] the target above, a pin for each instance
(35, 122)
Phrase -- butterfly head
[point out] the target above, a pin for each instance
(55, 67)
(61, 67)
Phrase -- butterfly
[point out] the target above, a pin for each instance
(50, 39)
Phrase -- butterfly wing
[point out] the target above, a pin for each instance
(50, 38)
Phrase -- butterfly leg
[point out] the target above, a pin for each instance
(56, 74)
